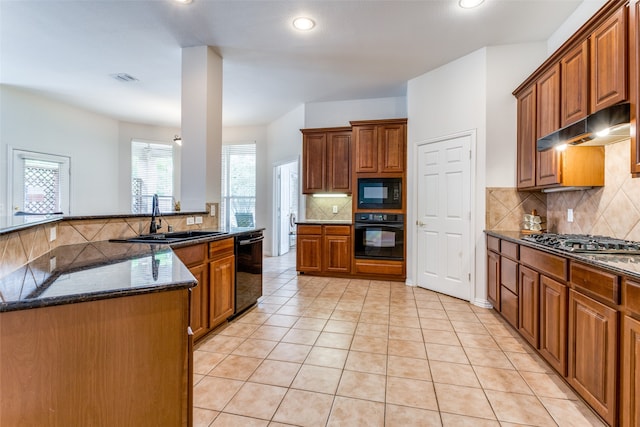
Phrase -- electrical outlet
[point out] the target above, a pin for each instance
(198, 220)
(52, 264)
(213, 210)
(190, 220)
(569, 215)
(53, 232)
(335, 209)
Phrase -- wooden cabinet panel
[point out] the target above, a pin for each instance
(549, 168)
(553, 323)
(509, 249)
(221, 294)
(338, 170)
(630, 404)
(634, 84)
(192, 255)
(526, 138)
(314, 158)
(391, 140)
(509, 306)
(528, 304)
(548, 102)
(546, 263)
(493, 244)
(574, 89)
(374, 267)
(337, 254)
(366, 148)
(493, 279)
(593, 353)
(509, 274)
(631, 297)
(596, 282)
(609, 61)
(199, 301)
(309, 253)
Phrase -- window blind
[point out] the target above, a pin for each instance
(238, 185)
(151, 173)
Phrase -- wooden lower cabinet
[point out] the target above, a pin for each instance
(493, 278)
(509, 306)
(309, 249)
(528, 304)
(593, 353)
(199, 297)
(553, 323)
(221, 294)
(337, 254)
(630, 375)
(324, 249)
(113, 362)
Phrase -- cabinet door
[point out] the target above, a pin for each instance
(309, 253)
(221, 290)
(199, 301)
(314, 148)
(630, 407)
(553, 323)
(634, 80)
(391, 147)
(339, 162)
(337, 254)
(574, 73)
(609, 61)
(527, 138)
(593, 353)
(366, 150)
(528, 304)
(548, 113)
(493, 279)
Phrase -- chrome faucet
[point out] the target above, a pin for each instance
(155, 212)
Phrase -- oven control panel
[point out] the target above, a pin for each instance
(379, 217)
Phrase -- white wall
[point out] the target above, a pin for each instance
(582, 13)
(284, 145)
(339, 113)
(32, 122)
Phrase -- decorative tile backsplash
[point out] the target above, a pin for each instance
(506, 207)
(612, 210)
(21, 247)
(321, 208)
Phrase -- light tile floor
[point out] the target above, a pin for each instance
(339, 352)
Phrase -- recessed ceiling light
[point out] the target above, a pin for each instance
(183, 1)
(303, 24)
(469, 4)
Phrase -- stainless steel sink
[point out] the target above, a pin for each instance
(173, 237)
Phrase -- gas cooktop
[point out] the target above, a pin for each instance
(584, 243)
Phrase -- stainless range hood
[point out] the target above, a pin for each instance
(603, 127)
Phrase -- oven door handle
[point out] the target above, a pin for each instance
(250, 241)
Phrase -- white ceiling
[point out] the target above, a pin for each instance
(360, 49)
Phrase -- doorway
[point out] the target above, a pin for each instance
(444, 250)
(286, 207)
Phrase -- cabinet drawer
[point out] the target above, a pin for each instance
(631, 296)
(596, 282)
(493, 243)
(309, 229)
(548, 264)
(337, 230)
(387, 268)
(509, 274)
(509, 249)
(192, 255)
(221, 248)
(509, 306)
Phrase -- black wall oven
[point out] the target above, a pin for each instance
(379, 236)
(379, 193)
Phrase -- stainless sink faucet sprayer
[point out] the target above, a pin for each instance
(155, 212)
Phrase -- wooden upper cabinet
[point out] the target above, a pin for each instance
(548, 102)
(574, 87)
(380, 146)
(527, 137)
(634, 86)
(609, 61)
(326, 160)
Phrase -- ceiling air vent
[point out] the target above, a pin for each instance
(124, 77)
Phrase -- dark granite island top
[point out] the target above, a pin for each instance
(628, 265)
(92, 271)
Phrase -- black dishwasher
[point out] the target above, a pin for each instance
(248, 251)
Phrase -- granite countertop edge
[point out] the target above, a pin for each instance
(144, 250)
(622, 264)
(324, 222)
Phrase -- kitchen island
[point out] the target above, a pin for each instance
(96, 334)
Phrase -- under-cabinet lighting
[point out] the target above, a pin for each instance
(561, 147)
(329, 195)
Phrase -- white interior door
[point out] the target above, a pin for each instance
(285, 202)
(444, 216)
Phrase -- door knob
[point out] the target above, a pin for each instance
(420, 223)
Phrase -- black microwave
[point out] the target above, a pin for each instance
(379, 193)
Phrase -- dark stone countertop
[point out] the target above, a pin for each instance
(626, 265)
(324, 222)
(99, 270)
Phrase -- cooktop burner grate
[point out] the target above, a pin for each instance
(584, 243)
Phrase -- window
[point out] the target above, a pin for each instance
(151, 173)
(238, 186)
(40, 184)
